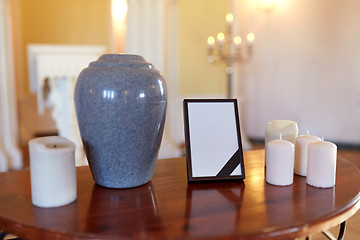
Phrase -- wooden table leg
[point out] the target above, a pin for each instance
(341, 232)
(3, 235)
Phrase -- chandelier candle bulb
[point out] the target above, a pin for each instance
(220, 37)
(280, 162)
(229, 19)
(250, 37)
(301, 152)
(211, 42)
(237, 41)
(274, 128)
(227, 49)
(321, 167)
(52, 171)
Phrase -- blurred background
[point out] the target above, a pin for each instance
(303, 64)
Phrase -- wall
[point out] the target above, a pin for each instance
(305, 67)
(58, 22)
(52, 22)
(197, 78)
(197, 21)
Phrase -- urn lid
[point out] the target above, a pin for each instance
(121, 60)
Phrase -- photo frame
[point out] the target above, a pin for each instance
(213, 140)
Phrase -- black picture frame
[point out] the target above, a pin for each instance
(213, 140)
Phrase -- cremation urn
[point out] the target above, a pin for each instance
(120, 103)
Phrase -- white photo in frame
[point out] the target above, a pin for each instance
(213, 140)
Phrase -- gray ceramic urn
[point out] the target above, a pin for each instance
(120, 103)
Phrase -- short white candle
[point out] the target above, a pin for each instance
(280, 162)
(274, 128)
(301, 152)
(52, 171)
(321, 168)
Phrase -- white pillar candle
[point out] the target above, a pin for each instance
(274, 128)
(280, 162)
(52, 171)
(321, 167)
(301, 152)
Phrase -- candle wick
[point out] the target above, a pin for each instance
(54, 146)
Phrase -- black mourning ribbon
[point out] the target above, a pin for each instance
(230, 166)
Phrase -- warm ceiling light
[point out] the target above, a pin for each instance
(267, 4)
(119, 9)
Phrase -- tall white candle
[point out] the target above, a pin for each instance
(321, 168)
(52, 171)
(274, 128)
(280, 162)
(301, 153)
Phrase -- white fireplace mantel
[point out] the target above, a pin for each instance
(53, 70)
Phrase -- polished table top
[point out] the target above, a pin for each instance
(168, 207)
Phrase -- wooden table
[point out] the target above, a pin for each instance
(169, 208)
